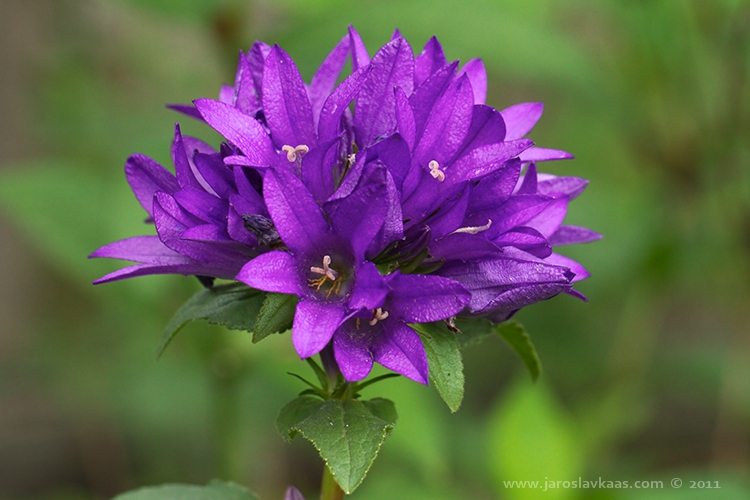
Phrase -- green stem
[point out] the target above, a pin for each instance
(329, 488)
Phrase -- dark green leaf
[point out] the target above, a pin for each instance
(444, 357)
(276, 315)
(294, 412)
(515, 335)
(234, 305)
(382, 408)
(215, 491)
(474, 331)
(347, 434)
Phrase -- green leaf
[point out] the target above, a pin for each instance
(234, 306)
(515, 335)
(216, 490)
(276, 315)
(474, 331)
(347, 434)
(444, 357)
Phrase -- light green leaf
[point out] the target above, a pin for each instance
(347, 434)
(444, 357)
(276, 315)
(515, 335)
(234, 306)
(217, 490)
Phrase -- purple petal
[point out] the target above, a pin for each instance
(314, 325)
(375, 110)
(253, 201)
(217, 175)
(325, 78)
(485, 160)
(351, 347)
(225, 262)
(186, 109)
(405, 118)
(446, 125)
(359, 216)
(244, 97)
(185, 175)
(297, 217)
(428, 61)
(274, 271)
(393, 227)
(474, 69)
(226, 95)
(146, 177)
(487, 127)
(418, 298)
(560, 260)
(206, 207)
(256, 59)
(521, 118)
(338, 102)
(171, 207)
(507, 283)
(570, 187)
(285, 103)
(543, 154)
(369, 290)
(516, 211)
(293, 493)
(550, 220)
(527, 239)
(423, 99)
(393, 153)
(569, 235)
(240, 129)
(208, 233)
(144, 249)
(317, 167)
(452, 213)
(236, 228)
(462, 246)
(360, 57)
(400, 349)
(527, 183)
(492, 191)
(190, 267)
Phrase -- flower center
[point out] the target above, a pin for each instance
(294, 154)
(378, 315)
(435, 171)
(327, 274)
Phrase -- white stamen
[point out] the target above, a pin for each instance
(352, 158)
(325, 270)
(293, 154)
(378, 315)
(435, 171)
(474, 229)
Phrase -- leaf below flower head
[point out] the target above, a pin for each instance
(234, 306)
(347, 434)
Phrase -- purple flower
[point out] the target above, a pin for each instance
(395, 197)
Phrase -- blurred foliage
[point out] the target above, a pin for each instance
(649, 380)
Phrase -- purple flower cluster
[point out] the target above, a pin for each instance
(395, 197)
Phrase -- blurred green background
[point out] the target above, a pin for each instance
(648, 381)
